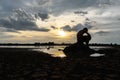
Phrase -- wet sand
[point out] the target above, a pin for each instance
(23, 64)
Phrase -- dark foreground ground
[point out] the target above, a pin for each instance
(23, 64)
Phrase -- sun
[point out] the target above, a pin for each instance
(62, 33)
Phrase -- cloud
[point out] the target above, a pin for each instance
(77, 27)
(43, 16)
(68, 5)
(81, 12)
(13, 25)
(102, 33)
(8, 5)
(31, 6)
(11, 30)
(53, 6)
(21, 20)
(67, 28)
(4, 35)
(78, 3)
(74, 28)
(2, 30)
(20, 15)
(53, 27)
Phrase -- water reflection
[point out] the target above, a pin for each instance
(55, 51)
(97, 55)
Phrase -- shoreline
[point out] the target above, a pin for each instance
(56, 44)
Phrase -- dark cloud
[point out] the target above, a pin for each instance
(82, 13)
(67, 28)
(72, 21)
(119, 19)
(77, 27)
(53, 27)
(42, 29)
(43, 16)
(21, 14)
(87, 19)
(14, 25)
(43, 2)
(21, 20)
(74, 28)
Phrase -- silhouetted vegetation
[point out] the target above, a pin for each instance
(52, 44)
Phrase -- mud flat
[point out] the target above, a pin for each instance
(24, 64)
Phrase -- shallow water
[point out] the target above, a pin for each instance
(97, 55)
(56, 51)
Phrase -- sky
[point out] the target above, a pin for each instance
(28, 21)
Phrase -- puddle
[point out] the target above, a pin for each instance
(97, 55)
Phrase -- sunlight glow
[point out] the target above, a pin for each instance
(62, 33)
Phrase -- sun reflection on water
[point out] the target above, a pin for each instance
(54, 51)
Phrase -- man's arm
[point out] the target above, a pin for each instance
(88, 35)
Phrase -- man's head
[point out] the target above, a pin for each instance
(85, 30)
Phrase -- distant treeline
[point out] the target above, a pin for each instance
(51, 44)
(33, 44)
(100, 44)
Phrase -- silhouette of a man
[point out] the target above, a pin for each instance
(83, 37)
